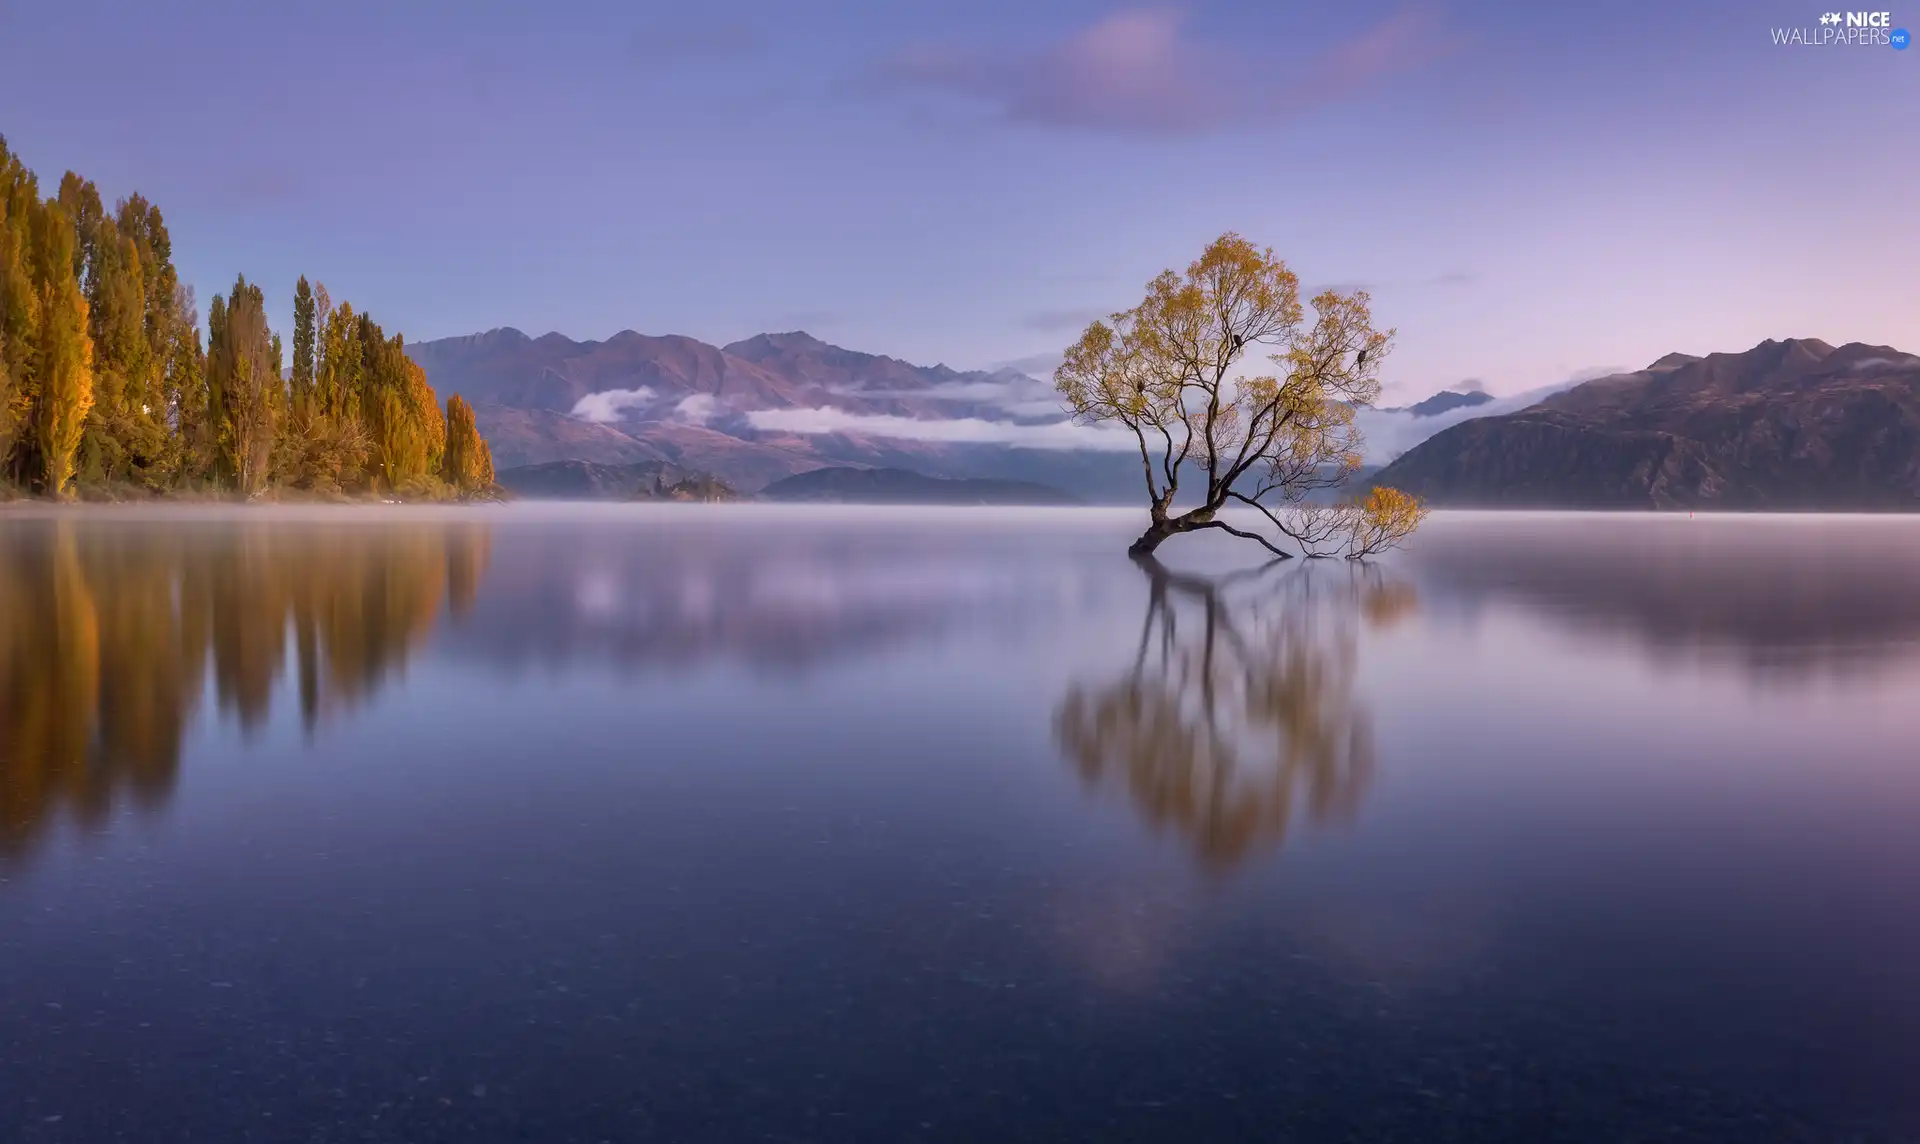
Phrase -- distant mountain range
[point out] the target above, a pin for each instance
(748, 411)
(899, 486)
(1796, 424)
(775, 405)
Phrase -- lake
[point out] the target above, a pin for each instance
(685, 823)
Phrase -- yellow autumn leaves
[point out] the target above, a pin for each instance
(1172, 372)
(105, 388)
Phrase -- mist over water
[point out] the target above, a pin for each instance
(755, 822)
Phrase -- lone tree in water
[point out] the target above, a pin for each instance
(1171, 371)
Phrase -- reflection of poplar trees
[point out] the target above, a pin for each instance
(107, 635)
(1238, 717)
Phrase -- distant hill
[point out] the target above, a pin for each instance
(900, 486)
(1794, 424)
(1445, 401)
(586, 480)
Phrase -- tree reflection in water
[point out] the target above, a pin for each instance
(1239, 716)
(107, 635)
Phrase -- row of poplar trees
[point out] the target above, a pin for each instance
(106, 384)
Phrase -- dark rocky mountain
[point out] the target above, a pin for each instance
(901, 486)
(585, 480)
(1794, 424)
(1445, 401)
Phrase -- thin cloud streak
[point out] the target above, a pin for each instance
(1138, 70)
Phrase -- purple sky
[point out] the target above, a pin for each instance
(1530, 190)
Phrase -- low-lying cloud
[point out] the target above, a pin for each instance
(1018, 394)
(610, 405)
(696, 409)
(1876, 362)
(955, 430)
(1033, 417)
(1387, 433)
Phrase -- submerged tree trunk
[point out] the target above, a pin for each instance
(1164, 526)
(1150, 540)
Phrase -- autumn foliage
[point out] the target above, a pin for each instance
(1171, 371)
(468, 466)
(105, 383)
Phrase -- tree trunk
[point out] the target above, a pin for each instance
(1165, 526)
(1151, 539)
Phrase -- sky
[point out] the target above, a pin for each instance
(1531, 191)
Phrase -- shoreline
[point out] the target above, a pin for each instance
(135, 506)
(13, 499)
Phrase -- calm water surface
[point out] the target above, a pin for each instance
(685, 824)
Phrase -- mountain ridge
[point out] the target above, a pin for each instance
(1789, 424)
(633, 397)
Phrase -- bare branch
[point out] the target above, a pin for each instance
(1279, 553)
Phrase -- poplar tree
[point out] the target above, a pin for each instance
(212, 401)
(243, 372)
(80, 199)
(468, 463)
(303, 344)
(339, 369)
(121, 441)
(402, 414)
(167, 322)
(19, 314)
(185, 393)
(64, 358)
(103, 370)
